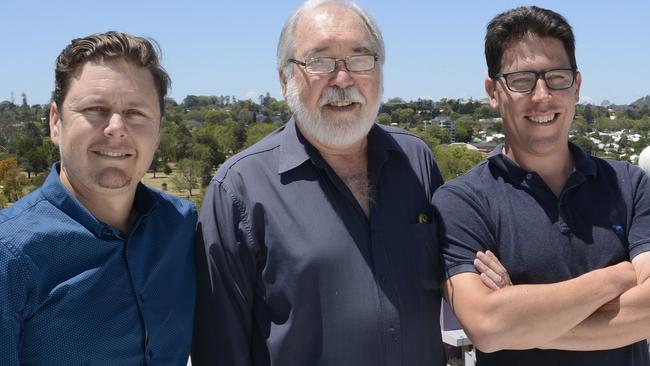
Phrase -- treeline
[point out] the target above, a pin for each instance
(200, 132)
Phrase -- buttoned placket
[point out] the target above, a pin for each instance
(389, 312)
(114, 234)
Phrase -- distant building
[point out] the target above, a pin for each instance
(448, 124)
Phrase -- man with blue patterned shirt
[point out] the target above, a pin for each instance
(95, 267)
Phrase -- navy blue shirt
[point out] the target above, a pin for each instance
(74, 291)
(292, 272)
(601, 218)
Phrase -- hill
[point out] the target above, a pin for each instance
(643, 101)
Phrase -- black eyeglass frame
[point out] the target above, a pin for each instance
(538, 74)
(336, 61)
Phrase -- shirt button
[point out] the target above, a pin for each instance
(382, 279)
(529, 176)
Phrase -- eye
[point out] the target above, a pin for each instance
(134, 113)
(95, 110)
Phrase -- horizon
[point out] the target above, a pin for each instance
(433, 50)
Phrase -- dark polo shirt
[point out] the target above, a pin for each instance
(602, 217)
(292, 272)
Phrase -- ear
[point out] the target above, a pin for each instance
(55, 124)
(283, 83)
(491, 90)
(578, 83)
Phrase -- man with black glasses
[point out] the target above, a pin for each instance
(571, 231)
(317, 245)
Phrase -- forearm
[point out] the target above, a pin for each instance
(621, 322)
(529, 316)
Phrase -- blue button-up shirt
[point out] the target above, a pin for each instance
(75, 291)
(292, 272)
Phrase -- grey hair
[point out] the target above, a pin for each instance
(287, 42)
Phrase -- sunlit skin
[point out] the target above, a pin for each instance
(107, 131)
(530, 136)
(334, 31)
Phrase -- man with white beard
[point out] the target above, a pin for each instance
(316, 245)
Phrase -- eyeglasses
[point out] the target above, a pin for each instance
(325, 65)
(525, 81)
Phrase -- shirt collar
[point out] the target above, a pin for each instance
(54, 191)
(583, 163)
(295, 149)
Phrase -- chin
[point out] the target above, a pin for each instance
(113, 178)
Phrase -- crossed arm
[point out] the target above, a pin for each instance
(617, 322)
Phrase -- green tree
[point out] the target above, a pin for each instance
(404, 116)
(258, 131)
(384, 119)
(188, 175)
(584, 143)
(218, 115)
(12, 183)
(465, 127)
(156, 163)
(456, 160)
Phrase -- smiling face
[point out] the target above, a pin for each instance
(107, 129)
(336, 109)
(535, 123)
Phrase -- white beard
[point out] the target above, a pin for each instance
(344, 131)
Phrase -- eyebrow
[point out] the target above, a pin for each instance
(317, 50)
(88, 99)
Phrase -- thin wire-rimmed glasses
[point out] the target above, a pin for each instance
(525, 81)
(325, 65)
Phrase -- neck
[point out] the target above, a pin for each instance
(554, 168)
(114, 209)
(351, 165)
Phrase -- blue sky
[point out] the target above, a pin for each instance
(218, 47)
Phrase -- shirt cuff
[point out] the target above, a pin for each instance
(455, 269)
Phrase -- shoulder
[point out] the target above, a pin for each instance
(24, 219)
(625, 173)
(23, 206)
(472, 186)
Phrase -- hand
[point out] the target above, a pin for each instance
(493, 274)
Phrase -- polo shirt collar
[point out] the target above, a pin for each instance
(583, 163)
(59, 196)
(295, 149)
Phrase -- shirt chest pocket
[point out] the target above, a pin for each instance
(424, 243)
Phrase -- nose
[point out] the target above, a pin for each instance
(115, 127)
(341, 76)
(540, 92)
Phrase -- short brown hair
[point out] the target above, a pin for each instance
(112, 45)
(515, 24)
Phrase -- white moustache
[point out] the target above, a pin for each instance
(333, 95)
